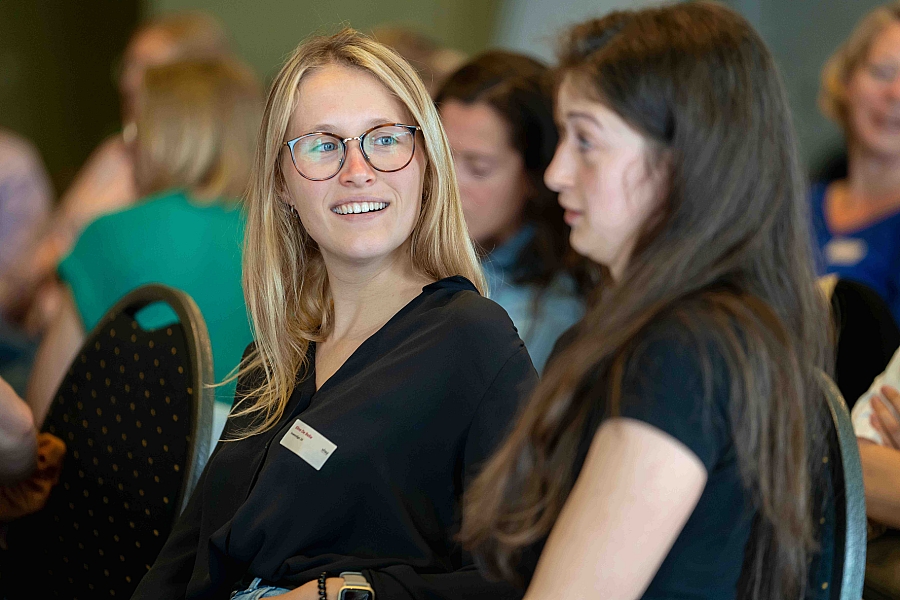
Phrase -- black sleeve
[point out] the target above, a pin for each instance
(493, 419)
(666, 386)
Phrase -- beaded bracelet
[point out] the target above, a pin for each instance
(323, 595)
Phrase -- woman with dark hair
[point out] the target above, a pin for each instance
(667, 451)
(498, 114)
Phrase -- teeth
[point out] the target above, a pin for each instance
(358, 207)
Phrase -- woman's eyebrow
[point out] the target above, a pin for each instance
(578, 115)
(330, 128)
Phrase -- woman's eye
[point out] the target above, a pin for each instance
(480, 170)
(882, 72)
(583, 142)
(325, 147)
(385, 140)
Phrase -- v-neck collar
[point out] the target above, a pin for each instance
(309, 383)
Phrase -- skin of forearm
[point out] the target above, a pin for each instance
(881, 477)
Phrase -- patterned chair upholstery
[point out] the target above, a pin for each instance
(135, 412)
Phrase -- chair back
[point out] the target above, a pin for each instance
(135, 411)
(837, 569)
(848, 503)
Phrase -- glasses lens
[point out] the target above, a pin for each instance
(318, 155)
(389, 148)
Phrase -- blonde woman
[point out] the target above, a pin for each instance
(380, 378)
(105, 183)
(857, 219)
(195, 132)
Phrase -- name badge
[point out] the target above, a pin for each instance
(845, 252)
(308, 444)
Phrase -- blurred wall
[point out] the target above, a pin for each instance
(802, 35)
(532, 26)
(57, 85)
(265, 31)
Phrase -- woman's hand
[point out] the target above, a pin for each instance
(884, 416)
(310, 590)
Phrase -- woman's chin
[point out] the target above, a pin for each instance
(360, 252)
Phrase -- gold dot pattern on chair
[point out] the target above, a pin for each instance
(124, 410)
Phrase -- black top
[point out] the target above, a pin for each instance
(867, 337)
(664, 386)
(413, 412)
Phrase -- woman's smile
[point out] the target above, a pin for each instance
(357, 208)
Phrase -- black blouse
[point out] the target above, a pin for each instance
(413, 412)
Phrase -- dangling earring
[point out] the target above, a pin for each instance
(292, 210)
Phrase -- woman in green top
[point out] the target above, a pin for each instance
(195, 136)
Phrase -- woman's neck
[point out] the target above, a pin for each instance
(872, 178)
(367, 296)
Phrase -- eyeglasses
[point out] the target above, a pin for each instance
(319, 155)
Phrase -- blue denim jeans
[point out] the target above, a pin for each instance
(257, 591)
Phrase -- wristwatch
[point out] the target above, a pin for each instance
(355, 587)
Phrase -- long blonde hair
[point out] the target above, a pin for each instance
(285, 281)
(196, 128)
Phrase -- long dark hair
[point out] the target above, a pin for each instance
(519, 88)
(728, 255)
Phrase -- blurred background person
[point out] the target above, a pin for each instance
(498, 115)
(433, 62)
(26, 198)
(195, 135)
(30, 292)
(857, 218)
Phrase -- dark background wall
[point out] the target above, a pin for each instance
(266, 30)
(56, 75)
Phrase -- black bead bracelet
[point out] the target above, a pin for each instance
(323, 594)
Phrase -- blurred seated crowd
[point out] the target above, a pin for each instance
(558, 330)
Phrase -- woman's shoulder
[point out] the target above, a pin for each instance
(459, 305)
(147, 207)
(454, 312)
(694, 345)
(713, 320)
(678, 380)
(117, 234)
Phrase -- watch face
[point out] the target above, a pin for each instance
(356, 595)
